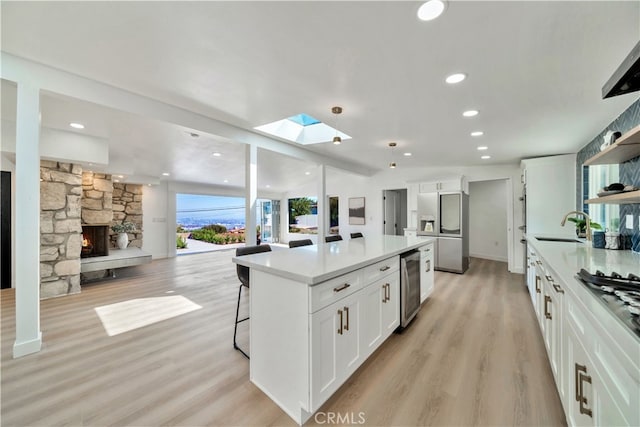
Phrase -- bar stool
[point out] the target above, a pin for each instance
(298, 243)
(356, 235)
(243, 276)
(334, 238)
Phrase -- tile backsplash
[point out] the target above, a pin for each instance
(629, 172)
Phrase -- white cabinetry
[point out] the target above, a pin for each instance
(551, 193)
(335, 346)
(457, 184)
(427, 256)
(594, 360)
(381, 308)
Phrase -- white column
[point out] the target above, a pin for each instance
(322, 204)
(251, 193)
(28, 335)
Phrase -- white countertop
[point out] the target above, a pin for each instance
(318, 263)
(566, 259)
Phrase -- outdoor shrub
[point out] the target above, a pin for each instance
(180, 243)
(216, 228)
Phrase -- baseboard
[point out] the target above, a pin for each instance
(27, 347)
(489, 257)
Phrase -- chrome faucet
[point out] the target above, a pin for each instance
(586, 218)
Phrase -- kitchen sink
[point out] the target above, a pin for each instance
(558, 239)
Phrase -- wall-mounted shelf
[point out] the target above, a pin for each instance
(625, 148)
(617, 199)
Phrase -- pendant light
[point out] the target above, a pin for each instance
(392, 165)
(336, 139)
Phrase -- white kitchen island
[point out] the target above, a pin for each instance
(318, 312)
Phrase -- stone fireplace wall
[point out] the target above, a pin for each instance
(127, 207)
(97, 193)
(60, 229)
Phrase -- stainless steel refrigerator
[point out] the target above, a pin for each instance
(445, 216)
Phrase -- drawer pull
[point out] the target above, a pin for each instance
(549, 278)
(547, 300)
(385, 268)
(537, 284)
(341, 288)
(558, 289)
(580, 376)
(538, 262)
(387, 292)
(340, 314)
(428, 266)
(346, 310)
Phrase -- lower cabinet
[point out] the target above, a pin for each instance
(346, 332)
(335, 346)
(596, 369)
(427, 280)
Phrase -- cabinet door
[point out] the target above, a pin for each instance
(453, 185)
(390, 304)
(348, 352)
(426, 272)
(325, 332)
(429, 187)
(580, 373)
(371, 331)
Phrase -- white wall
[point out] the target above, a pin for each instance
(488, 220)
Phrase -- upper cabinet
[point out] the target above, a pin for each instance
(457, 184)
(625, 148)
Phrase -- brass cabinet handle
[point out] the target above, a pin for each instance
(580, 376)
(341, 288)
(558, 289)
(537, 284)
(538, 262)
(549, 278)
(385, 268)
(428, 266)
(340, 314)
(384, 297)
(547, 300)
(387, 292)
(346, 327)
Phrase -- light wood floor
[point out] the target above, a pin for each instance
(473, 356)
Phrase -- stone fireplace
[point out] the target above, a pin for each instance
(95, 240)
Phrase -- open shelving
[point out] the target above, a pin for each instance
(625, 148)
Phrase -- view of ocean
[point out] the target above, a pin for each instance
(191, 222)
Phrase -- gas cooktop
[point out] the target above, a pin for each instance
(620, 294)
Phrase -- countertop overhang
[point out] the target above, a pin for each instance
(317, 263)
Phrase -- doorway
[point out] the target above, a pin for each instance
(5, 230)
(488, 220)
(395, 211)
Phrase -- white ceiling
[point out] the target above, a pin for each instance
(535, 73)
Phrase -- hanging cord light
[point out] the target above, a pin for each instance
(336, 139)
(392, 165)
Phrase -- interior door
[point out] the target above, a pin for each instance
(5, 230)
(390, 220)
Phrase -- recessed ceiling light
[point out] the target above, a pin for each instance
(477, 133)
(408, 154)
(485, 157)
(470, 113)
(455, 78)
(149, 185)
(307, 173)
(226, 180)
(482, 148)
(268, 186)
(216, 154)
(431, 10)
(165, 174)
(76, 125)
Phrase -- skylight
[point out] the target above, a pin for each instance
(303, 129)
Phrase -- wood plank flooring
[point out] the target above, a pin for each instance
(473, 356)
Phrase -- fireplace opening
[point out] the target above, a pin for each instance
(95, 240)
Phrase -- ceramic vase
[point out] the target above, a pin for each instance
(122, 240)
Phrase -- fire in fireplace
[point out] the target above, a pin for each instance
(95, 240)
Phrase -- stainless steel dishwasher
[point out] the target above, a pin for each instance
(409, 286)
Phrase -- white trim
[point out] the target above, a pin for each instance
(27, 347)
